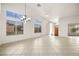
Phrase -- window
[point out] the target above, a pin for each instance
(14, 27)
(14, 24)
(37, 28)
(10, 27)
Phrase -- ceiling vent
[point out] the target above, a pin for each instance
(39, 5)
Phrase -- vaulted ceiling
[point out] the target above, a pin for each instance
(46, 10)
(50, 10)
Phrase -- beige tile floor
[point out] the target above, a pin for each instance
(43, 46)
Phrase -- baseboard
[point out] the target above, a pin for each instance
(23, 39)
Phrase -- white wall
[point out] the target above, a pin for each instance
(0, 8)
(0, 19)
(28, 27)
(63, 24)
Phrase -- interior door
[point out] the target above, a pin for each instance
(56, 31)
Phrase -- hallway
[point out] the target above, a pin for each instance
(43, 46)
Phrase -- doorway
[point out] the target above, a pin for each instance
(56, 30)
(53, 29)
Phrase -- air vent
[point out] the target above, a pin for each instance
(39, 5)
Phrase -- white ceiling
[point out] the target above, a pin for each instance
(48, 10)
(51, 10)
